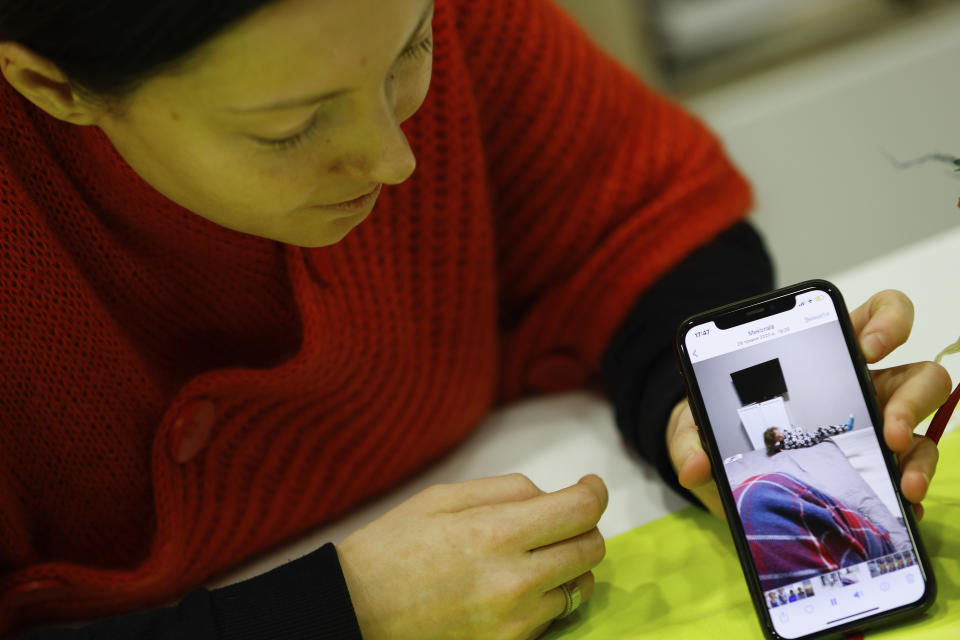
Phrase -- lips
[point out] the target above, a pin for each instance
(358, 199)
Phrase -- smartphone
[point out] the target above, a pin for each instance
(788, 416)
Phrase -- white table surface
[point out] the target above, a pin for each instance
(555, 440)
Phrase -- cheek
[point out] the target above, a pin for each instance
(414, 93)
(287, 173)
(283, 180)
(218, 177)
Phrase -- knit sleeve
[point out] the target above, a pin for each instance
(599, 186)
(305, 598)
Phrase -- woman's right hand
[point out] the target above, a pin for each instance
(479, 559)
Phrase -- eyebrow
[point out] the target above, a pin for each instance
(317, 99)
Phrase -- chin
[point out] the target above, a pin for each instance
(313, 242)
(329, 234)
(319, 244)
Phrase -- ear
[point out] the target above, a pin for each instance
(43, 84)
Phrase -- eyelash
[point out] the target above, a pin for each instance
(420, 48)
(423, 47)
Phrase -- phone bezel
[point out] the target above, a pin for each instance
(764, 306)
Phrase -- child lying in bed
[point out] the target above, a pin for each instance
(778, 439)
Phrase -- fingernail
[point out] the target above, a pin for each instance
(873, 347)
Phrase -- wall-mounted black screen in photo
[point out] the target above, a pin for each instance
(759, 382)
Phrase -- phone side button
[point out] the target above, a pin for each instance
(699, 421)
(703, 441)
(863, 365)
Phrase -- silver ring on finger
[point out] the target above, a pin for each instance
(574, 598)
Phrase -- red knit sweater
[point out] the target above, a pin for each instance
(177, 397)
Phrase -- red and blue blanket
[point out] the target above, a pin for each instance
(796, 531)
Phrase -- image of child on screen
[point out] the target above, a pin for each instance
(777, 439)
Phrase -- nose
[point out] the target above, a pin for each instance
(383, 154)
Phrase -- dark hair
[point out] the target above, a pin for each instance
(108, 48)
(769, 439)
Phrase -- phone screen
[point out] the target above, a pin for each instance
(816, 503)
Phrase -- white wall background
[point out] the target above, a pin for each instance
(808, 135)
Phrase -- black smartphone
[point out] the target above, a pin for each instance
(788, 415)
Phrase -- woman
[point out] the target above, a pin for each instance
(209, 348)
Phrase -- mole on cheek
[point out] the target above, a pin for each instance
(174, 116)
(363, 61)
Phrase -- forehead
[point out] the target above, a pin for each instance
(295, 46)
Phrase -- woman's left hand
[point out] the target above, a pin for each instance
(907, 394)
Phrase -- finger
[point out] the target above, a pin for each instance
(696, 472)
(554, 602)
(539, 631)
(908, 394)
(882, 323)
(549, 518)
(563, 561)
(452, 498)
(918, 467)
(689, 459)
(599, 487)
(708, 495)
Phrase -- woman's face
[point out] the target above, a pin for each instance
(286, 116)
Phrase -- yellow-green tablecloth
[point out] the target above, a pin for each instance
(679, 577)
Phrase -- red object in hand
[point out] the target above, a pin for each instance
(939, 422)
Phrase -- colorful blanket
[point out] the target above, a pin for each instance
(796, 531)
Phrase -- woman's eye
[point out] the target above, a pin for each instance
(291, 141)
(423, 47)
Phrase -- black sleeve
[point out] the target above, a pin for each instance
(303, 599)
(639, 367)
